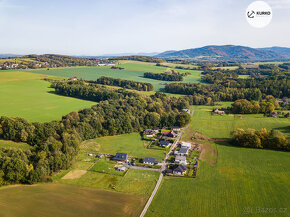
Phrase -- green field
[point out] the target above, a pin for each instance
(127, 143)
(13, 145)
(216, 126)
(132, 71)
(23, 94)
(52, 200)
(241, 183)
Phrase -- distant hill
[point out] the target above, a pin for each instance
(139, 58)
(280, 50)
(227, 52)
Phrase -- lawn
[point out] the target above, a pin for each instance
(52, 200)
(106, 166)
(244, 182)
(216, 126)
(132, 71)
(126, 143)
(23, 94)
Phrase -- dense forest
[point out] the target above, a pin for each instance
(175, 76)
(135, 85)
(139, 58)
(263, 138)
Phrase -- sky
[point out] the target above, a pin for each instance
(97, 27)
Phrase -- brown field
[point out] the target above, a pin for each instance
(55, 200)
(74, 174)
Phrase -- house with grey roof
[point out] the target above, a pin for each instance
(180, 170)
(121, 157)
(150, 161)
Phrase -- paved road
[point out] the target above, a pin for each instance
(162, 169)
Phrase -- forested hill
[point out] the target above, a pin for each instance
(226, 52)
(139, 58)
(47, 61)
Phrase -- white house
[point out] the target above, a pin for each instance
(185, 145)
(180, 160)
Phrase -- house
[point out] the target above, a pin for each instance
(182, 152)
(274, 114)
(168, 171)
(122, 169)
(185, 145)
(149, 132)
(73, 79)
(175, 128)
(174, 133)
(219, 112)
(150, 161)
(120, 157)
(100, 155)
(180, 170)
(166, 135)
(164, 143)
(180, 159)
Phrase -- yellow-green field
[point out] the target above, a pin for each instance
(24, 94)
(51, 200)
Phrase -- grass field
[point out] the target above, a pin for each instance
(14, 145)
(23, 94)
(127, 143)
(241, 183)
(216, 126)
(52, 200)
(132, 71)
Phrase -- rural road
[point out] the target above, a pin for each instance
(162, 169)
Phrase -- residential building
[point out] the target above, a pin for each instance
(121, 157)
(164, 144)
(180, 159)
(180, 170)
(150, 161)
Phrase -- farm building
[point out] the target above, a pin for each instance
(219, 112)
(120, 157)
(150, 161)
(180, 159)
(180, 170)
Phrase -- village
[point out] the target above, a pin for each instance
(181, 159)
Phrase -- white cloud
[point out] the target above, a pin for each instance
(279, 4)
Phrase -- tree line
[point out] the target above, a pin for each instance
(139, 58)
(164, 76)
(135, 85)
(263, 138)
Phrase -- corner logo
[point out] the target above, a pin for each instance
(259, 14)
(251, 14)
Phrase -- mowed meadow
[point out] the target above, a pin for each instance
(216, 126)
(243, 182)
(24, 94)
(133, 70)
(231, 181)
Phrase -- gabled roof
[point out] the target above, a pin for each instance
(183, 151)
(175, 127)
(180, 168)
(178, 157)
(150, 160)
(164, 143)
(121, 156)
